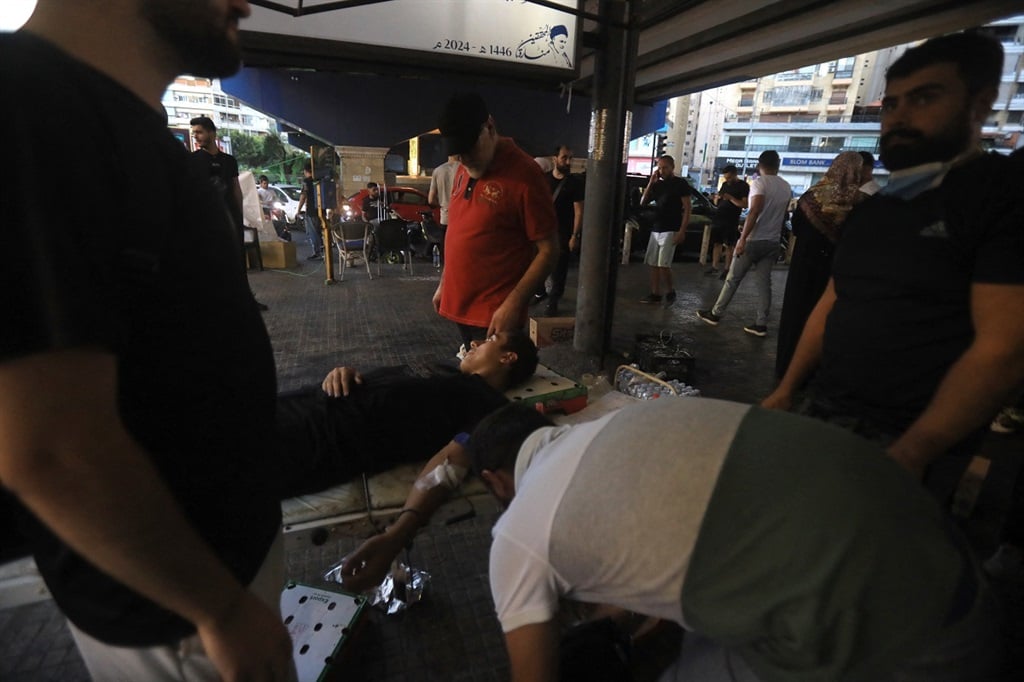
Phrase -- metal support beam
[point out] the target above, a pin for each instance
(614, 73)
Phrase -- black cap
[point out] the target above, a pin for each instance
(461, 120)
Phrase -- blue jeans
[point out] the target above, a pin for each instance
(762, 254)
(316, 240)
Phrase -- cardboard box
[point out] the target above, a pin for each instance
(545, 331)
(278, 254)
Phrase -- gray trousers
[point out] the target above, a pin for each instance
(761, 255)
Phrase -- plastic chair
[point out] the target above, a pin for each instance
(353, 242)
(392, 236)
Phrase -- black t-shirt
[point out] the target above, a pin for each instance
(571, 192)
(728, 213)
(222, 170)
(309, 189)
(667, 195)
(371, 207)
(903, 271)
(196, 379)
(391, 418)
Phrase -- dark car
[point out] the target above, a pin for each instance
(639, 219)
(406, 202)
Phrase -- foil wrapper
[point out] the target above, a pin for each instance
(402, 587)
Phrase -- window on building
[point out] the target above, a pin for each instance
(863, 143)
(799, 144)
(803, 118)
(760, 143)
(735, 142)
(838, 96)
(830, 145)
(805, 73)
(793, 95)
(842, 68)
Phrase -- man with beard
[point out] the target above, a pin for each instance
(567, 195)
(919, 336)
(137, 384)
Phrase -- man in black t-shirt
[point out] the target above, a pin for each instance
(371, 208)
(921, 352)
(725, 225)
(311, 218)
(567, 193)
(137, 381)
(353, 423)
(670, 195)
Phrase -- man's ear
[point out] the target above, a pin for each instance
(509, 357)
(981, 104)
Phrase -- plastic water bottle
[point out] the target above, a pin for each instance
(437, 258)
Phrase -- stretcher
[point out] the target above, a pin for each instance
(364, 504)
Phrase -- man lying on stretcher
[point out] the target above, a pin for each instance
(354, 423)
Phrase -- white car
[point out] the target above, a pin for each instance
(287, 200)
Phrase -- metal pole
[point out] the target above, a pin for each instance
(614, 74)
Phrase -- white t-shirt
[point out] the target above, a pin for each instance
(777, 193)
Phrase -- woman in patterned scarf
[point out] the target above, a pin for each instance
(817, 222)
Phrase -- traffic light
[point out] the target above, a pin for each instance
(659, 145)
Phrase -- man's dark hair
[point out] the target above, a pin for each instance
(264, 177)
(308, 168)
(770, 159)
(868, 158)
(205, 122)
(668, 158)
(729, 168)
(371, 185)
(516, 341)
(978, 59)
(495, 442)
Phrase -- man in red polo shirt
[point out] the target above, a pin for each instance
(502, 239)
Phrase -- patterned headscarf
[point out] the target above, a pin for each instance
(827, 204)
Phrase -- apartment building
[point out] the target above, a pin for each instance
(188, 97)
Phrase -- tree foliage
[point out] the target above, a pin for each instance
(266, 154)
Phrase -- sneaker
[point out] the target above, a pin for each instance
(316, 256)
(670, 297)
(710, 272)
(708, 317)
(1009, 420)
(537, 298)
(651, 298)
(756, 329)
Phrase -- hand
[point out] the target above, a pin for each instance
(437, 299)
(505, 318)
(574, 243)
(248, 642)
(678, 237)
(340, 381)
(778, 400)
(366, 567)
(906, 456)
(741, 246)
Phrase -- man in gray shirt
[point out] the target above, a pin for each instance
(758, 245)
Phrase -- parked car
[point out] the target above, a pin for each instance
(287, 200)
(406, 202)
(643, 217)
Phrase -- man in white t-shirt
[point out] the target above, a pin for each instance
(793, 549)
(758, 245)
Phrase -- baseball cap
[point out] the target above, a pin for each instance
(463, 116)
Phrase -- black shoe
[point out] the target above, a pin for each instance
(670, 297)
(316, 256)
(723, 275)
(651, 298)
(756, 329)
(537, 298)
(708, 317)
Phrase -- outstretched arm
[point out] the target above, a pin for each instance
(533, 652)
(366, 567)
(507, 316)
(807, 354)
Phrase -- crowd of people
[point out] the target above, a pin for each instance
(139, 410)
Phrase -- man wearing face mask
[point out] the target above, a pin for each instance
(918, 344)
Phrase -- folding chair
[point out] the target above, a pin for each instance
(392, 236)
(353, 242)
